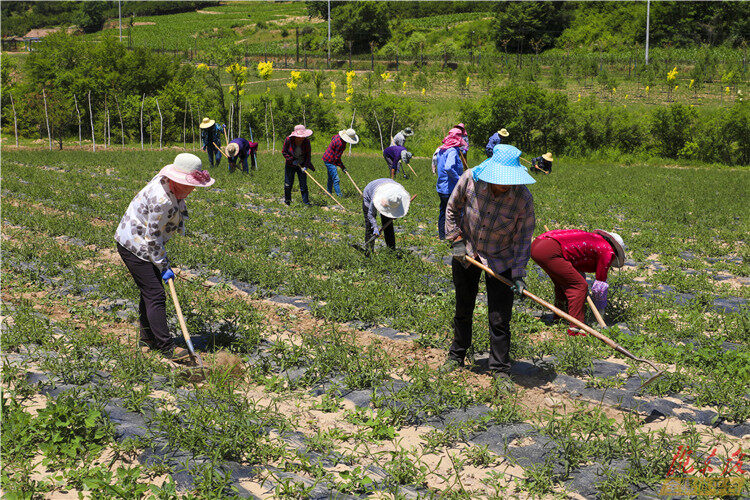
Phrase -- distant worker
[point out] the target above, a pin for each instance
(157, 213)
(395, 156)
(332, 157)
(465, 136)
(566, 254)
(211, 140)
(388, 198)
(495, 139)
(400, 138)
(240, 149)
(449, 170)
(543, 163)
(297, 152)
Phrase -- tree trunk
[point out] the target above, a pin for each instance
(75, 99)
(122, 128)
(142, 102)
(273, 131)
(15, 121)
(46, 118)
(184, 123)
(379, 130)
(91, 119)
(161, 122)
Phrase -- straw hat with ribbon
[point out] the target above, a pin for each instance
(503, 168)
(206, 122)
(349, 135)
(547, 156)
(391, 200)
(503, 132)
(615, 240)
(187, 170)
(301, 131)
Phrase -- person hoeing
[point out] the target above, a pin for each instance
(489, 217)
(297, 153)
(156, 213)
(566, 254)
(388, 198)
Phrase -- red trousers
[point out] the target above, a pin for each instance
(570, 285)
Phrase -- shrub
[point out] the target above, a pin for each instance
(671, 128)
(721, 137)
(407, 115)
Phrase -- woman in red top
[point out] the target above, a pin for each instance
(566, 254)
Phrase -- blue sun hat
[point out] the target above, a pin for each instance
(503, 168)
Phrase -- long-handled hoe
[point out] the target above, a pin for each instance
(534, 166)
(355, 184)
(323, 189)
(412, 170)
(193, 355)
(614, 345)
(220, 151)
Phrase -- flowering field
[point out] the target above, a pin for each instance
(322, 375)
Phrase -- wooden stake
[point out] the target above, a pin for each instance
(142, 102)
(392, 123)
(583, 326)
(192, 126)
(379, 131)
(91, 119)
(273, 129)
(15, 122)
(46, 117)
(161, 122)
(122, 128)
(75, 99)
(322, 188)
(184, 123)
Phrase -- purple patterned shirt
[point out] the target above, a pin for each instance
(497, 229)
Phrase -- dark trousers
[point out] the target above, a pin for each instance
(387, 231)
(289, 173)
(500, 308)
(570, 285)
(152, 308)
(214, 155)
(243, 159)
(441, 215)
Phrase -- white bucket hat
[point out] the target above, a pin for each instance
(187, 169)
(349, 135)
(615, 240)
(206, 123)
(233, 149)
(391, 200)
(405, 156)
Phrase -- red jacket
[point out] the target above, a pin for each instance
(288, 151)
(588, 252)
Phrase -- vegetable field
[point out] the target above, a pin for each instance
(322, 375)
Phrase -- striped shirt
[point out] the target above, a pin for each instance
(497, 229)
(334, 151)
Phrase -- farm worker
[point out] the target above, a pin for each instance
(297, 152)
(210, 139)
(435, 160)
(566, 254)
(394, 156)
(490, 216)
(543, 163)
(390, 199)
(400, 138)
(449, 170)
(465, 136)
(239, 149)
(332, 157)
(156, 213)
(495, 139)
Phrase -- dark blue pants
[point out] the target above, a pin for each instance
(214, 155)
(233, 163)
(289, 173)
(441, 215)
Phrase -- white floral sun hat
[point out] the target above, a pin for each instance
(187, 169)
(391, 200)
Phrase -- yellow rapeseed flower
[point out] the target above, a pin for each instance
(672, 74)
(202, 66)
(423, 91)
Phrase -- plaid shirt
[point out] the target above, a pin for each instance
(498, 230)
(334, 151)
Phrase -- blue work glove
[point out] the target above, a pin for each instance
(167, 275)
(519, 286)
(376, 232)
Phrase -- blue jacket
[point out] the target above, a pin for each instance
(495, 139)
(211, 135)
(449, 169)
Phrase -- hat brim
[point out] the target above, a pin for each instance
(171, 173)
(343, 135)
(504, 175)
(500, 133)
(619, 250)
(391, 212)
(408, 133)
(306, 133)
(206, 125)
(547, 157)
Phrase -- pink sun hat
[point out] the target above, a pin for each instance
(301, 131)
(453, 139)
(187, 169)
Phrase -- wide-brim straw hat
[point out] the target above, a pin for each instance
(503, 132)
(615, 240)
(206, 122)
(503, 168)
(187, 170)
(349, 135)
(547, 156)
(233, 149)
(408, 132)
(301, 131)
(391, 200)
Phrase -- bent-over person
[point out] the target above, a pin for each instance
(389, 199)
(490, 217)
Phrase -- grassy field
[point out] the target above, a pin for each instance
(334, 389)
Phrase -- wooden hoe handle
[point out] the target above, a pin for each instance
(324, 189)
(183, 326)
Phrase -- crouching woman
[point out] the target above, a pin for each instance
(156, 213)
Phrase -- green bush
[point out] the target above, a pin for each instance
(721, 138)
(671, 128)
